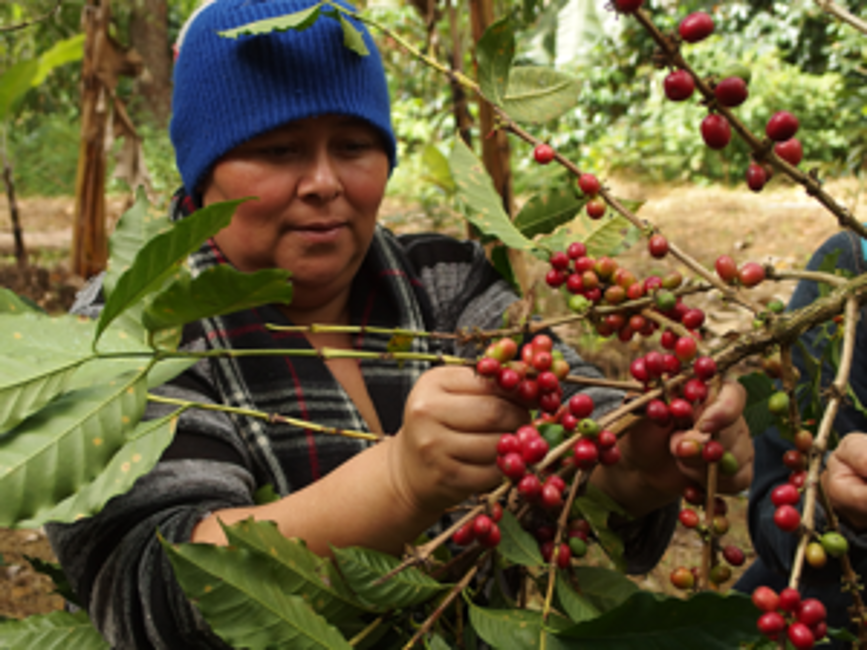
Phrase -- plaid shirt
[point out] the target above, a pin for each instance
(217, 461)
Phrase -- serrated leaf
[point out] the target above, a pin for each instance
(300, 20)
(578, 607)
(66, 51)
(605, 588)
(610, 236)
(54, 631)
(52, 454)
(160, 257)
(11, 303)
(134, 459)
(512, 629)
(759, 388)
(538, 94)
(352, 37)
(436, 167)
(218, 290)
(245, 604)
(596, 507)
(547, 210)
(300, 571)
(653, 622)
(362, 567)
(517, 545)
(28, 382)
(494, 54)
(476, 190)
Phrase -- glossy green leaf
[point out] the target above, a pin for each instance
(547, 210)
(245, 604)
(161, 256)
(603, 587)
(576, 605)
(352, 37)
(55, 452)
(218, 290)
(133, 460)
(14, 84)
(517, 545)
(11, 303)
(436, 168)
(300, 571)
(653, 622)
(27, 383)
(513, 629)
(494, 54)
(66, 51)
(759, 388)
(477, 192)
(363, 567)
(596, 507)
(609, 236)
(54, 631)
(299, 20)
(539, 94)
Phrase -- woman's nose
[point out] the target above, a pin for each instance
(321, 180)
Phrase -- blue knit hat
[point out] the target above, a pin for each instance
(228, 91)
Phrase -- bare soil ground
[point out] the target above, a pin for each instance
(781, 225)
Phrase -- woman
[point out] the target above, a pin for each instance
(302, 123)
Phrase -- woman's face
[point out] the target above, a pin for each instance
(317, 184)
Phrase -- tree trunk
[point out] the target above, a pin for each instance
(89, 242)
(149, 36)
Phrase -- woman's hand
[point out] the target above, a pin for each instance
(651, 472)
(447, 448)
(845, 479)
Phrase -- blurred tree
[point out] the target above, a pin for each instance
(149, 36)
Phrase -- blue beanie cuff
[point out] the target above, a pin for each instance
(228, 91)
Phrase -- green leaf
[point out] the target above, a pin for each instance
(648, 621)
(539, 94)
(547, 210)
(477, 191)
(436, 167)
(363, 567)
(244, 603)
(512, 629)
(27, 383)
(517, 545)
(265, 494)
(494, 53)
(54, 631)
(759, 388)
(13, 304)
(610, 236)
(161, 256)
(61, 53)
(133, 460)
(14, 84)
(578, 607)
(603, 587)
(352, 37)
(218, 290)
(501, 262)
(299, 570)
(596, 507)
(300, 20)
(55, 452)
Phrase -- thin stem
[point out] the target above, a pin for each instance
(842, 14)
(361, 636)
(46, 16)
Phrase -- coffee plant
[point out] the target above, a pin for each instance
(533, 563)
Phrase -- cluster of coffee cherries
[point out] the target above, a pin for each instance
(482, 528)
(693, 518)
(576, 544)
(588, 183)
(801, 621)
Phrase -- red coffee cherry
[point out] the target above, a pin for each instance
(695, 391)
(581, 405)
(595, 208)
(657, 412)
(482, 525)
(668, 339)
(638, 369)
(733, 555)
(756, 177)
(576, 249)
(606, 439)
(811, 612)
(696, 27)
(785, 495)
(464, 535)
(534, 450)
(795, 460)
(543, 153)
(678, 86)
(658, 246)
(686, 348)
(681, 410)
(791, 151)
(493, 538)
(682, 578)
(787, 518)
(771, 624)
(801, 636)
(704, 368)
(655, 363)
(627, 6)
(765, 598)
(712, 451)
(513, 466)
(508, 444)
(551, 497)
(726, 269)
(508, 379)
(693, 319)
(559, 260)
(731, 91)
(790, 599)
(716, 131)
(564, 556)
(751, 274)
(782, 126)
(530, 487)
(689, 518)
(589, 184)
(586, 454)
(487, 367)
(610, 456)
